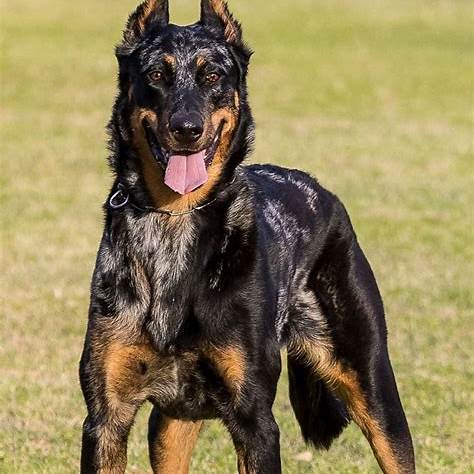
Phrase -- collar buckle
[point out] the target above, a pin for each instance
(119, 199)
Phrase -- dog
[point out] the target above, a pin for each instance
(207, 269)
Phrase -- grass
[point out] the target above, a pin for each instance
(374, 97)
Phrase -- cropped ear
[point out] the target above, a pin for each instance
(149, 14)
(216, 16)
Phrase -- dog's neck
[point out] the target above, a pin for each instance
(179, 237)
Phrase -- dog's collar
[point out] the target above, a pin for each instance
(121, 198)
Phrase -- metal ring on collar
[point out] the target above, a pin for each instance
(118, 205)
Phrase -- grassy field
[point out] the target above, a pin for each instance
(372, 96)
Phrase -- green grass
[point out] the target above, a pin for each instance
(374, 97)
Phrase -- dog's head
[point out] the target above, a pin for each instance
(183, 94)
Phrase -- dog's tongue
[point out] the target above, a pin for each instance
(186, 173)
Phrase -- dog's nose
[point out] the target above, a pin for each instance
(186, 127)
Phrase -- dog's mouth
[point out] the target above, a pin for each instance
(185, 170)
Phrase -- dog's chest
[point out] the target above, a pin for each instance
(165, 254)
(191, 383)
(164, 248)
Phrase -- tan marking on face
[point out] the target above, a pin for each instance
(201, 61)
(170, 60)
(228, 116)
(236, 100)
(230, 364)
(152, 172)
(345, 383)
(162, 196)
(172, 449)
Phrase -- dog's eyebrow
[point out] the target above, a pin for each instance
(201, 61)
(169, 59)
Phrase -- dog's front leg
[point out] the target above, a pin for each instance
(250, 381)
(257, 441)
(110, 380)
(171, 443)
(104, 445)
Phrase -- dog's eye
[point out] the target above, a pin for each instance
(212, 77)
(155, 76)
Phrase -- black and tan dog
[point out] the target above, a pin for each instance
(207, 269)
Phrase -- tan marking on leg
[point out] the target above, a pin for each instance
(243, 464)
(126, 369)
(351, 392)
(345, 383)
(112, 450)
(162, 196)
(231, 366)
(172, 450)
(123, 369)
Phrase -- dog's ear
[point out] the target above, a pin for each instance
(149, 14)
(216, 16)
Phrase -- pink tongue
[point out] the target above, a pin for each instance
(186, 173)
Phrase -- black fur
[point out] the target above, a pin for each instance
(320, 414)
(190, 311)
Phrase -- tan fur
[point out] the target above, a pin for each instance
(128, 372)
(231, 33)
(125, 369)
(236, 100)
(173, 448)
(345, 383)
(169, 59)
(230, 363)
(120, 365)
(200, 61)
(162, 196)
(112, 452)
(242, 464)
(148, 7)
(152, 172)
(352, 393)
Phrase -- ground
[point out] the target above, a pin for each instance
(374, 97)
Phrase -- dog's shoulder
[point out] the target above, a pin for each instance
(297, 194)
(276, 182)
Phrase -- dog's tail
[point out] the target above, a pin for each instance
(320, 414)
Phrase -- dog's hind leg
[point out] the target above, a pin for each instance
(370, 400)
(345, 346)
(171, 443)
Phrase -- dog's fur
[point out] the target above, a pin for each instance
(190, 311)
